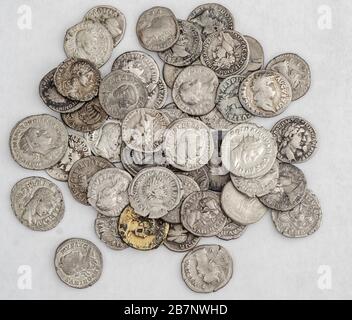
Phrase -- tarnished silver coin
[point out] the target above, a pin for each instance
(157, 29)
(248, 151)
(170, 74)
(226, 53)
(215, 120)
(302, 221)
(173, 113)
(195, 89)
(241, 208)
(121, 92)
(295, 70)
(265, 93)
(289, 191)
(207, 268)
(38, 142)
(78, 263)
(157, 98)
(296, 139)
(106, 141)
(200, 176)
(154, 192)
(256, 56)
(179, 239)
(77, 79)
(37, 203)
(77, 149)
(111, 18)
(231, 231)
(89, 40)
(108, 191)
(201, 214)
(81, 173)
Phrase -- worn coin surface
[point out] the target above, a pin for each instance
(157, 98)
(179, 239)
(200, 176)
(170, 74)
(207, 268)
(38, 142)
(37, 203)
(78, 263)
(296, 139)
(256, 56)
(231, 231)
(173, 113)
(215, 120)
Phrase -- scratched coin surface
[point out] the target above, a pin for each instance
(37, 203)
(207, 268)
(173, 113)
(78, 263)
(215, 120)
(180, 239)
(157, 98)
(170, 74)
(256, 56)
(231, 231)
(200, 176)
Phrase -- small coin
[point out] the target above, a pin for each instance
(140, 232)
(108, 191)
(157, 98)
(265, 93)
(256, 56)
(77, 149)
(215, 120)
(173, 113)
(179, 239)
(295, 70)
(207, 268)
(296, 139)
(38, 142)
(157, 29)
(231, 231)
(37, 203)
(200, 176)
(78, 263)
(170, 74)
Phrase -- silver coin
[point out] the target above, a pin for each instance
(248, 151)
(89, 40)
(173, 113)
(108, 191)
(77, 79)
(111, 18)
(241, 208)
(215, 120)
(37, 203)
(195, 89)
(296, 139)
(38, 142)
(226, 53)
(200, 176)
(121, 92)
(302, 221)
(201, 214)
(154, 192)
(157, 29)
(170, 74)
(289, 191)
(179, 239)
(295, 70)
(265, 93)
(231, 231)
(256, 56)
(207, 268)
(78, 263)
(77, 149)
(157, 98)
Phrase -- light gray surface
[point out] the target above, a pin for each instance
(267, 265)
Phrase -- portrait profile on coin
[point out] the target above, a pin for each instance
(38, 140)
(264, 94)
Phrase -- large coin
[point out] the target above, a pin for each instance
(256, 56)
(38, 142)
(170, 74)
(231, 231)
(78, 263)
(37, 203)
(179, 239)
(157, 98)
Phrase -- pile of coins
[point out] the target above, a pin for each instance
(160, 173)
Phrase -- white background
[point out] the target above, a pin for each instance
(267, 265)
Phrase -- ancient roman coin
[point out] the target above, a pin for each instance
(200, 176)
(201, 214)
(37, 203)
(173, 113)
(188, 144)
(256, 56)
(89, 40)
(154, 192)
(295, 70)
(106, 141)
(289, 191)
(241, 208)
(179, 239)
(140, 232)
(265, 93)
(77, 79)
(38, 142)
(302, 221)
(78, 263)
(248, 151)
(296, 139)
(157, 98)
(53, 99)
(195, 89)
(121, 92)
(226, 53)
(207, 268)
(81, 173)
(77, 149)
(111, 18)
(170, 74)
(157, 29)
(107, 191)
(231, 231)
(215, 120)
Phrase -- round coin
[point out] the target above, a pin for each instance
(215, 120)
(200, 176)
(173, 113)
(231, 231)
(256, 56)
(179, 239)
(170, 74)
(157, 98)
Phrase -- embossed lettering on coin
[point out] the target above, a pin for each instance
(231, 231)
(256, 56)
